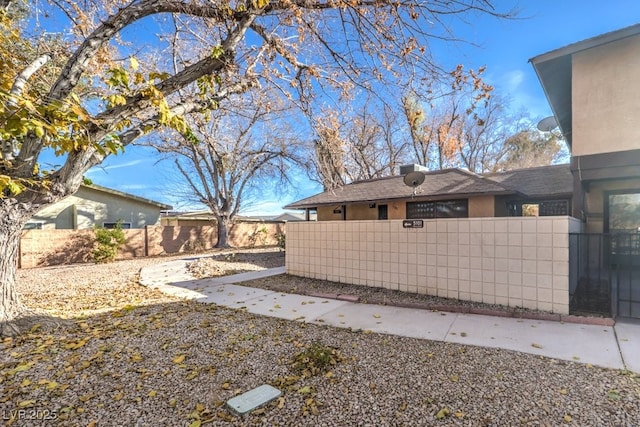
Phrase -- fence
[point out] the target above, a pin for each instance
(516, 262)
(52, 247)
(605, 274)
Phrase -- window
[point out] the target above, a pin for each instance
(438, 209)
(383, 212)
(539, 208)
(32, 226)
(124, 225)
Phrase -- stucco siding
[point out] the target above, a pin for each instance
(605, 105)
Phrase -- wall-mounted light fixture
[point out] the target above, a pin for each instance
(372, 205)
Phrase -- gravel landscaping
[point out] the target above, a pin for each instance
(134, 357)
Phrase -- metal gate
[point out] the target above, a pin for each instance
(605, 274)
(625, 277)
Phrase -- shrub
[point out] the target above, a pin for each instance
(281, 238)
(107, 242)
(316, 359)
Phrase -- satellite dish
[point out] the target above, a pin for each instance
(547, 124)
(414, 179)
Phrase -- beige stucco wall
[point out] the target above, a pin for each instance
(606, 90)
(90, 206)
(362, 212)
(479, 207)
(516, 262)
(482, 206)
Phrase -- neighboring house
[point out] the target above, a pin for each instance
(290, 216)
(95, 205)
(594, 91)
(448, 193)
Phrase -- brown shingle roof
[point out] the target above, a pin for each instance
(449, 183)
(543, 181)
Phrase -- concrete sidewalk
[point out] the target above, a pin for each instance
(616, 347)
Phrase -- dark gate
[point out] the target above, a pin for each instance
(604, 274)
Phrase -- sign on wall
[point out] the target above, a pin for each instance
(413, 223)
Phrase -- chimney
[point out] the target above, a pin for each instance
(405, 169)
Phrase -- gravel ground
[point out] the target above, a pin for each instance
(154, 361)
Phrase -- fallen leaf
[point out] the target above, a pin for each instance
(534, 345)
(178, 359)
(442, 413)
(304, 390)
(152, 393)
(567, 418)
(26, 403)
(377, 316)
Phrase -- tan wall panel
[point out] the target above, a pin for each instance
(482, 206)
(606, 90)
(362, 211)
(325, 213)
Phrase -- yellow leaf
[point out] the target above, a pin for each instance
(199, 407)
(459, 414)
(134, 63)
(52, 385)
(25, 382)
(173, 403)
(153, 393)
(26, 403)
(329, 374)
(22, 367)
(92, 424)
(563, 391)
(280, 402)
(178, 359)
(86, 397)
(567, 418)
(196, 423)
(226, 386)
(442, 413)
(118, 396)
(534, 345)
(377, 316)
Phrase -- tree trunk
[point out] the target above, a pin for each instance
(12, 220)
(223, 232)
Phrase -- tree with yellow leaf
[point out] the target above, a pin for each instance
(104, 88)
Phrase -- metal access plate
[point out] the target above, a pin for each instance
(247, 402)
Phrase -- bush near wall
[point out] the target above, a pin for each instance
(39, 248)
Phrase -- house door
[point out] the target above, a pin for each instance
(622, 223)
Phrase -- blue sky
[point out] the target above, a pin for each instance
(503, 46)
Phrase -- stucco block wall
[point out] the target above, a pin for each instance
(516, 262)
(605, 91)
(53, 247)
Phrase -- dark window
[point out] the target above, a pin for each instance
(32, 226)
(123, 225)
(438, 209)
(383, 212)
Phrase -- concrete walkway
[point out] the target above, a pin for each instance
(616, 347)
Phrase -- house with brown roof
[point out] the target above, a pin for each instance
(448, 193)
